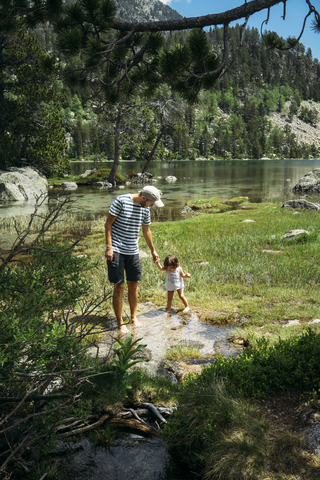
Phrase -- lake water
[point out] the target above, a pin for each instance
(257, 179)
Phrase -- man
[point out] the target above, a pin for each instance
(126, 215)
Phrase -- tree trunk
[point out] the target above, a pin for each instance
(116, 159)
(147, 164)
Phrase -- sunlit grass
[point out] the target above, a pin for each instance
(241, 273)
(179, 352)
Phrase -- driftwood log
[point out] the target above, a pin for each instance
(134, 426)
(129, 421)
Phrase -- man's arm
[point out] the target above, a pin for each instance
(108, 225)
(148, 237)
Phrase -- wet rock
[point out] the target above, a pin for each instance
(309, 183)
(130, 458)
(238, 341)
(22, 184)
(294, 233)
(102, 184)
(69, 186)
(170, 178)
(301, 203)
(187, 210)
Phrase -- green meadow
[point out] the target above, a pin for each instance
(242, 273)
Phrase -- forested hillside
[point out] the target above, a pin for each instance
(264, 106)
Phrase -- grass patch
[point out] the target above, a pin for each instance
(179, 352)
(245, 270)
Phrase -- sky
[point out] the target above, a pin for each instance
(291, 26)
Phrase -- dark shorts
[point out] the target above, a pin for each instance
(124, 263)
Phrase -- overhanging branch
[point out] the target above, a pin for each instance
(222, 18)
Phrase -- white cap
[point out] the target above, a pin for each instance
(153, 194)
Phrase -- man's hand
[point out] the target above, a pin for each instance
(109, 253)
(155, 256)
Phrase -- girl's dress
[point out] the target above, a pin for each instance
(174, 280)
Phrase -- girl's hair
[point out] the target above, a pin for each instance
(171, 261)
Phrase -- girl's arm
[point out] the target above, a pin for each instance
(184, 275)
(159, 266)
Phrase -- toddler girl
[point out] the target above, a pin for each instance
(174, 281)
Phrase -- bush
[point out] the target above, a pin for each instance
(102, 174)
(45, 305)
(290, 364)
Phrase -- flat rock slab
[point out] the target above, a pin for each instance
(160, 332)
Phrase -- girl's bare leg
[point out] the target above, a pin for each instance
(169, 301)
(183, 298)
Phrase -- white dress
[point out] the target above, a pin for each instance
(174, 280)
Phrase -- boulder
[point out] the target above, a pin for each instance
(170, 178)
(301, 203)
(294, 233)
(69, 186)
(309, 183)
(22, 184)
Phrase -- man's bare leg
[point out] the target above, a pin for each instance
(117, 306)
(133, 301)
(169, 300)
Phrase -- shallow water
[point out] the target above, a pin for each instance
(160, 332)
(257, 179)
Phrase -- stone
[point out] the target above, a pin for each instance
(187, 210)
(121, 186)
(309, 183)
(170, 178)
(301, 203)
(291, 323)
(248, 221)
(20, 184)
(316, 320)
(102, 184)
(294, 233)
(69, 186)
(143, 254)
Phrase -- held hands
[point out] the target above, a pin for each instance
(155, 257)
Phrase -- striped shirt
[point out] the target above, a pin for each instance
(126, 227)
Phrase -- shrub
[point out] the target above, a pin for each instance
(102, 174)
(45, 305)
(290, 364)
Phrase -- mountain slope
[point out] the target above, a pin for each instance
(145, 10)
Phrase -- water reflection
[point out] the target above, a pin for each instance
(257, 179)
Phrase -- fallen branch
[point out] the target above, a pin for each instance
(86, 428)
(134, 426)
(155, 411)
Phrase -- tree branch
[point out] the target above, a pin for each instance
(228, 16)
